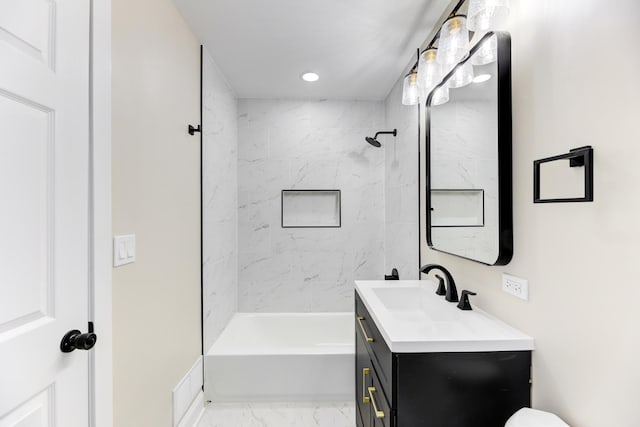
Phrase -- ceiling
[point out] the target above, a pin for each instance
(358, 47)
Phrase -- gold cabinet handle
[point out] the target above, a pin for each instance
(367, 337)
(365, 372)
(379, 414)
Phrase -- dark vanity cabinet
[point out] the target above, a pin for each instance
(373, 408)
(474, 389)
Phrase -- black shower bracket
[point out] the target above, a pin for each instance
(192, 130)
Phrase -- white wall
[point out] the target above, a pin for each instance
(220, 200)
(156, 195)
(401, 192)
(575, 82)
(308, 145)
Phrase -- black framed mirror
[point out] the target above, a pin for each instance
(468, 158)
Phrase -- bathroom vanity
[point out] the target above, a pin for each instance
(420, 361)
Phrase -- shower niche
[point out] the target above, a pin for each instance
(311, 209)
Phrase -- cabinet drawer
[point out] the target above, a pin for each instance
(364, 371)
(377, 348)
(381, 414)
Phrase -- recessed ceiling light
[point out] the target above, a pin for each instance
(310, 77)
(482, 78)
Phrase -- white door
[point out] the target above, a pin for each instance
(44, 228)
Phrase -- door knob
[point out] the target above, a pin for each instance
(75, 340)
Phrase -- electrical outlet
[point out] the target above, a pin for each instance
(515, 286)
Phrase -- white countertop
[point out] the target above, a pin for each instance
(413, 319)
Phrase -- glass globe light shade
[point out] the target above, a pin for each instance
(440, 96)
(410, 89)
(462, 76)
(453, 44)
(429, 73)
(486, 15)
(487, 53)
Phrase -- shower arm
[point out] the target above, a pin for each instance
(391, 132)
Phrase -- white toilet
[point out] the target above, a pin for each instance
(527, 417)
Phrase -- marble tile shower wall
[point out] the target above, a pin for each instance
(220, 201)
(308, 145)
(401, 187)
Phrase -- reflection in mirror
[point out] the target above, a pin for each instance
(469, 159)
(457, 208)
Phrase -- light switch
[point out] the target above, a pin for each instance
(131, 248)
(121, 250)
(124, 249)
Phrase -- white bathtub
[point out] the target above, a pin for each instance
(282, 357)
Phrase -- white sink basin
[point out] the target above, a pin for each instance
(400, 298)
(416, 301)
(412, 318)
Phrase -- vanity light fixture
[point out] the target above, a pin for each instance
(310, 77)
(429, 72)
(429, 75)
(410, 88)
(487, 14)
(453, 45)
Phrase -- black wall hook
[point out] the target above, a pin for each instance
(193, 130)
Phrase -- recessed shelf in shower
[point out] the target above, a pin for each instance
(311, 209)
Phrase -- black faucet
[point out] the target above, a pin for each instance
(442, 289)
(394, 275)
(452, 291)
(464, 300)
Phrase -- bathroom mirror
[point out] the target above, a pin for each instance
(468, 157)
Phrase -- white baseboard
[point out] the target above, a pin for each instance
(187, 393)
(194, 413)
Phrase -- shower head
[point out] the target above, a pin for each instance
(374, 141)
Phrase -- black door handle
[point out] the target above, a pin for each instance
(75, 340)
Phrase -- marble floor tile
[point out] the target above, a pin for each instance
(268, 414)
